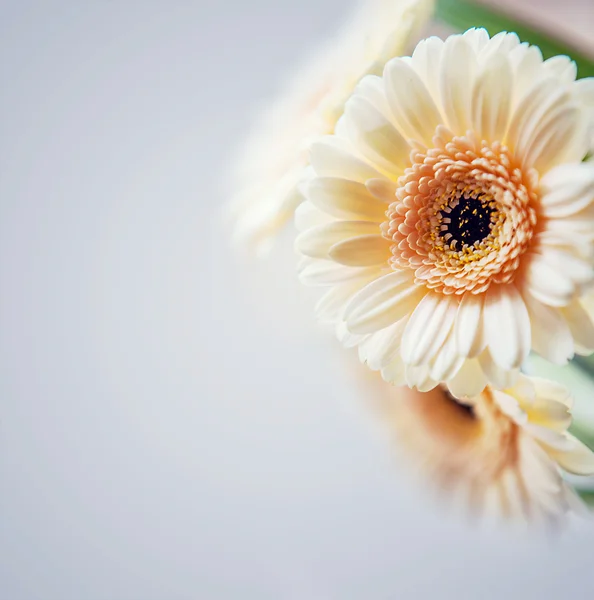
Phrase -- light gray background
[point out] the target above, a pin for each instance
(171, 426)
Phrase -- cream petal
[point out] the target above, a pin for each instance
(413, 108)
(551, 336)
(395, 372)
(307, 216)
(477, 38)
(382, 189)
(447, 363)
(316, 272)
(362, 251)
(550, 438)
(559, 139)
(316, 242)
(344, 199)
(371, 87)
(550, 414)
(579, 460)
(348, 339)
(500, 378)
(418, 377)
(330, 307)
(567, 190)
(584, 89)
(581, 327)
(544, 95)
(546, 283)
(428, 327)
(502, 43)
(383, 302)
(507, 326)
(426, 61)
(470, 338)
(552, 390)
(578, 270)
(469, 381)
(561, 67)
(333, 157)
(491, 100)
(527, 62)
(377, 138)
(381, 348)
(457, 77)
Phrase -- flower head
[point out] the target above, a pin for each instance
(499, 452)
(452, 214)
(264, 185)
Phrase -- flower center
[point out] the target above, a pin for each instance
(463, 217)
(466, 221)
(465, 409)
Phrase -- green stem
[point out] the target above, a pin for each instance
(464, 14)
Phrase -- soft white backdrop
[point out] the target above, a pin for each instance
(172, 426)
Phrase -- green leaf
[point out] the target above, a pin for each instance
(464, 14)
(587, 496)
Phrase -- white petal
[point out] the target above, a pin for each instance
(418, 377)
(307, 216)
(477, 38)
(414, 110)
(500, 378)
(470, 339)
(552, 390)
(457, 79)
(395, 372)
(383, 302)
(426, 61)
(469, 381)
(581, 327)
(377, 139)
(579, 460)
(491, 99)
(334, 157)
(316, 242)
(547, 284)
(346, 338)
(507, 326)
(330, 307)
(326, 272)
(382, 189)
(447, 362)
(428, 328)
(577, 269)
(562, 67)
(551, 336)
(567, 189)
(362, 251)
(344, 199)
(381, 348)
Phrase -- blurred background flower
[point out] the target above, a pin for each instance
(264, 184)
(497, 454)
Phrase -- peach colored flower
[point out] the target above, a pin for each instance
(451, 214)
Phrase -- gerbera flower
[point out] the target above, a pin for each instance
(264, 185)
(451, 214)
(500, 452)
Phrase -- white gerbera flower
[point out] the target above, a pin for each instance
(452, 214)
(271, 165)
(501, 452)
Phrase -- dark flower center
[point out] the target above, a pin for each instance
(467, 409)
(467, 220)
